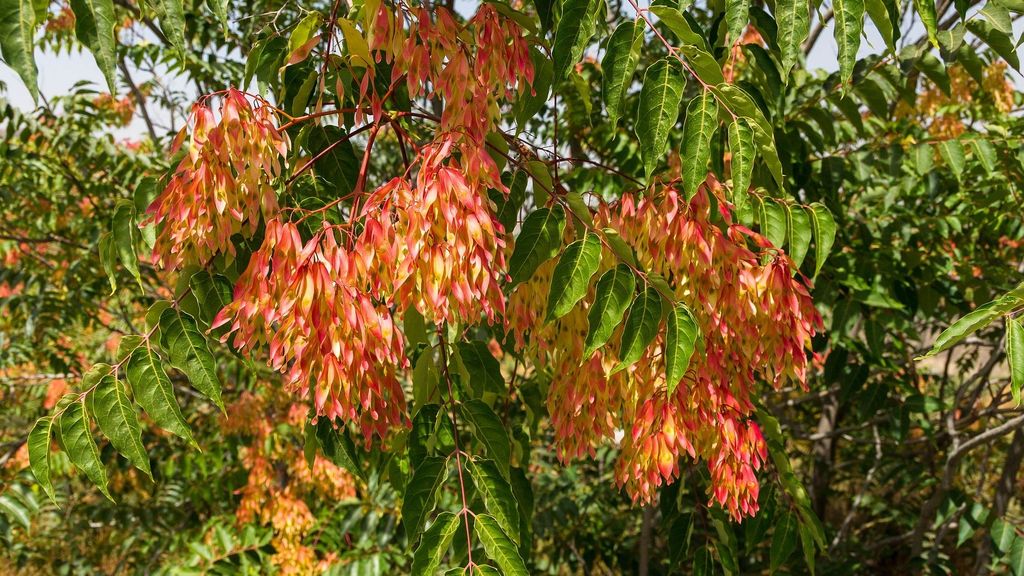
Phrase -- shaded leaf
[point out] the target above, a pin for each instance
(783, 540)
(421, 494)
(490, 431)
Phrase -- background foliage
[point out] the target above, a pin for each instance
(884, 463)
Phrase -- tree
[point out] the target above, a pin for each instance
(452, 274)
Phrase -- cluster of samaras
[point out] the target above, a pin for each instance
(324, 307)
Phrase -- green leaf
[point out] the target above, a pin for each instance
(879, 12)
(424, 380)
(741, 144)
(299, 39)
(17, 36)
(510, 205)
(972, 322)
(15, 510)
(660, 96)
(172, 22)
(434, 544)
(338, 447)
(1015, 355)
(220, 10)
(999, 42)
(490, 431)
(680, 338)
(498, 497)
(783, 540)
(108, 254)
(986, 154)
(575, 29)
(619, 64)
(807, 545)
(849, 24)
(618, 246)
(339, 164)
(421, 494)
(498, 546)
(793, 17)
(115, 415)
(483, 368)
(700, 126)
(676, 21)
(703, 563)
(538, 242)
(737, 13)
(153, 391)
(1003, 534)
(799, 234)
(934, 70)
(707, 68)
(614, 291)
(94, 26)
(572, 275)
(213, 292)
(640, 328)
(125, 233)
(824, 226)
(190, 353)
(76, 439)
(926, 10)
(952, 152)
(742, 104)
(1016, 556)
(528, 105)
(39, 454)
(773, 222)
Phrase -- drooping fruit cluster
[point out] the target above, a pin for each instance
(307, 303)
(324, 307)
(756, 320)
(223, 185)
